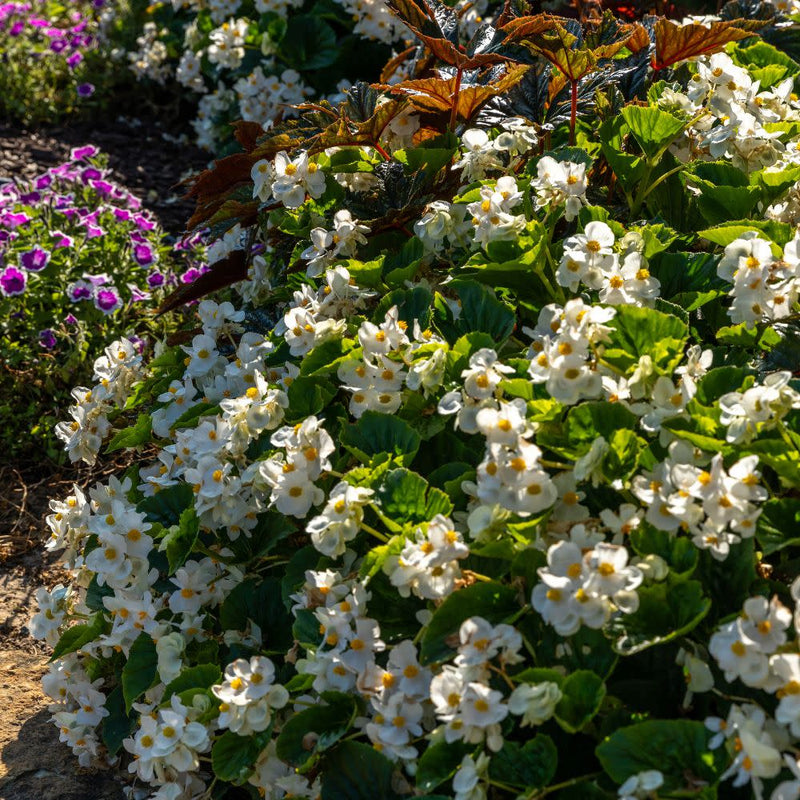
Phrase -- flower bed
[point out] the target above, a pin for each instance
(50, 63)
(78, 259)
(489, 487)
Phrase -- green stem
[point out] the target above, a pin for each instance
(536, 794)
(377, 534)
(661, 178)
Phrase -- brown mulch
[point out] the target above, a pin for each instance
(141, 159)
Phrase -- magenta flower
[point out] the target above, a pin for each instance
(107, 301)
(81, 153)
(35, 260)
(62, 240)
(12, 281)
(47, 339)
(74, 60)
(143, 254)
(155, 279)
(70, 319)
(80, 290)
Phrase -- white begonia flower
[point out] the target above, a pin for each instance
(641, 786)
(169, 649)
(535, 703)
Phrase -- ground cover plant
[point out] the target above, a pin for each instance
(51, 60)
(80, 264)
(487, 486)
(256, 60)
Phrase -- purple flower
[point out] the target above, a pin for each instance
(12, 281)
(58, 45)
(61, 240)
(138, 294)
(81, 153)
(190, 276)
(31, 198)
(47, 339)
(85, 89)
(90, 174)
(94, 231)
(101, 279)
(143, 223)
(74, 60)
(102, 187)
(122, 214)
(10, 220)
(35, 260)
(155, 279)
(70, 319)
(143, 254)
(16, 29)
(107, 300)
(80, 290)
(43, 181)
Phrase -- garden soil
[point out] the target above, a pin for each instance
(34, 765)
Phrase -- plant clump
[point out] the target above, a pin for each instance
(79, 258)
(485, 484)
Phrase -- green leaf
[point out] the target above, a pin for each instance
(308, 396)
(140, 669)
(77, 636)
(136, 434)
(355, 771)
(405, 496)
(461, 352)
(676, 748)
(374, 434)
(482, 311)
(309, 43)
(492, 601)
(180, 539)
(439, 763)
(191, 418)
(119, 724)
(637, 332)
(412, 305)
(719, 381)
(529, 766)
(258, 600)
(233, 757)
(718, 204)
(678, 551)
(622, 458)
(653, 129)
(775, 453)
(327, 722)
(166, 506)
(583, 692)
(666, 611)
(779, 520)
(199, 677)
(778, 232)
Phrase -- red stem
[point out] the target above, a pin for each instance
(573, 112)
(454, 109)
(386, 156)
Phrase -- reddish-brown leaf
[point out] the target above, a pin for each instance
(437, 95)
(638, 40)
(676, 43)
(247, 134)
(221, 274)
(525, 27)
(395, 63)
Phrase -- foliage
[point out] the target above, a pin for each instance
(487, 488)
(78, 259)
